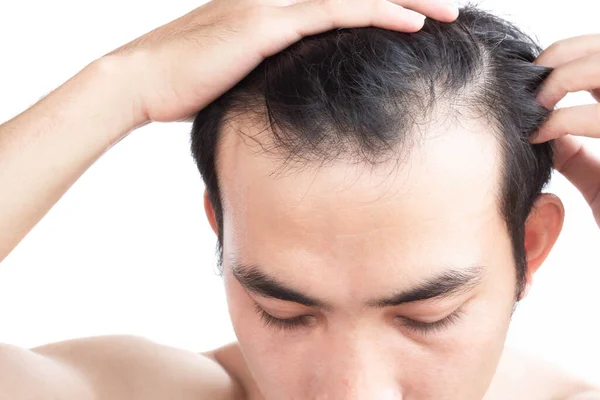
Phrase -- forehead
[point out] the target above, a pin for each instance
(440, 199)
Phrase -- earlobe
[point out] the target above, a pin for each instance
(542, 228)
(210, 213)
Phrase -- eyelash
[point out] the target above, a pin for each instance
(422, 328)
(288, 324)
(427, 328)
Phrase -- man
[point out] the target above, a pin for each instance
(356, 267)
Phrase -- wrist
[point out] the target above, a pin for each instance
(117, 98)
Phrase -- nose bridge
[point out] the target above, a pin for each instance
(356, 368)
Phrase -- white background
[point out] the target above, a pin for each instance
(128, 251)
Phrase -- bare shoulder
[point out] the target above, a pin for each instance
(119, 367)
(231, 358)
(521, 376)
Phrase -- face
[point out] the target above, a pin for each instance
(352, 282)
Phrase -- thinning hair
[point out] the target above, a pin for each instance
(360, 93)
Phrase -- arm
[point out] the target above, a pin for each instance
(45, 149)
(111, 367)
(165, 75)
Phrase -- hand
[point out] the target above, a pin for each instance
(178, 68)
(577, 67)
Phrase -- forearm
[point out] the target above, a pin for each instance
(45, 149)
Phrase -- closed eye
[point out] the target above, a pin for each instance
(287, 324)
(425, 328)
(304, 321)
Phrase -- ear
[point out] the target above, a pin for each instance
(210, 213)
(542, 229)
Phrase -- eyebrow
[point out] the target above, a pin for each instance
(446, 284)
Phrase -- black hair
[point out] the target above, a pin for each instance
(359, 93)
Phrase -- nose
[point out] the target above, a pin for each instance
(358, 390)
(357, 370)
(335, 392)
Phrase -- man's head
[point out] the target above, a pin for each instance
(375, 189)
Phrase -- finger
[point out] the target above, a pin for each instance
(316, 16)
(567, 50)
(441, 10)
(579, 166)
(574, 76)
(578, 120)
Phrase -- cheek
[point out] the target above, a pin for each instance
(465, 363)
(272, 369)
(252, 334)
(239, 303)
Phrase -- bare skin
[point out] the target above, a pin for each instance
(123, 367)
(111, 97)
(518, 377)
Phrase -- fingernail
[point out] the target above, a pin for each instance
(453, 5)
(417, 17)
(542, 99)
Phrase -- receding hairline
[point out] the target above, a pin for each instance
(254, 130)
